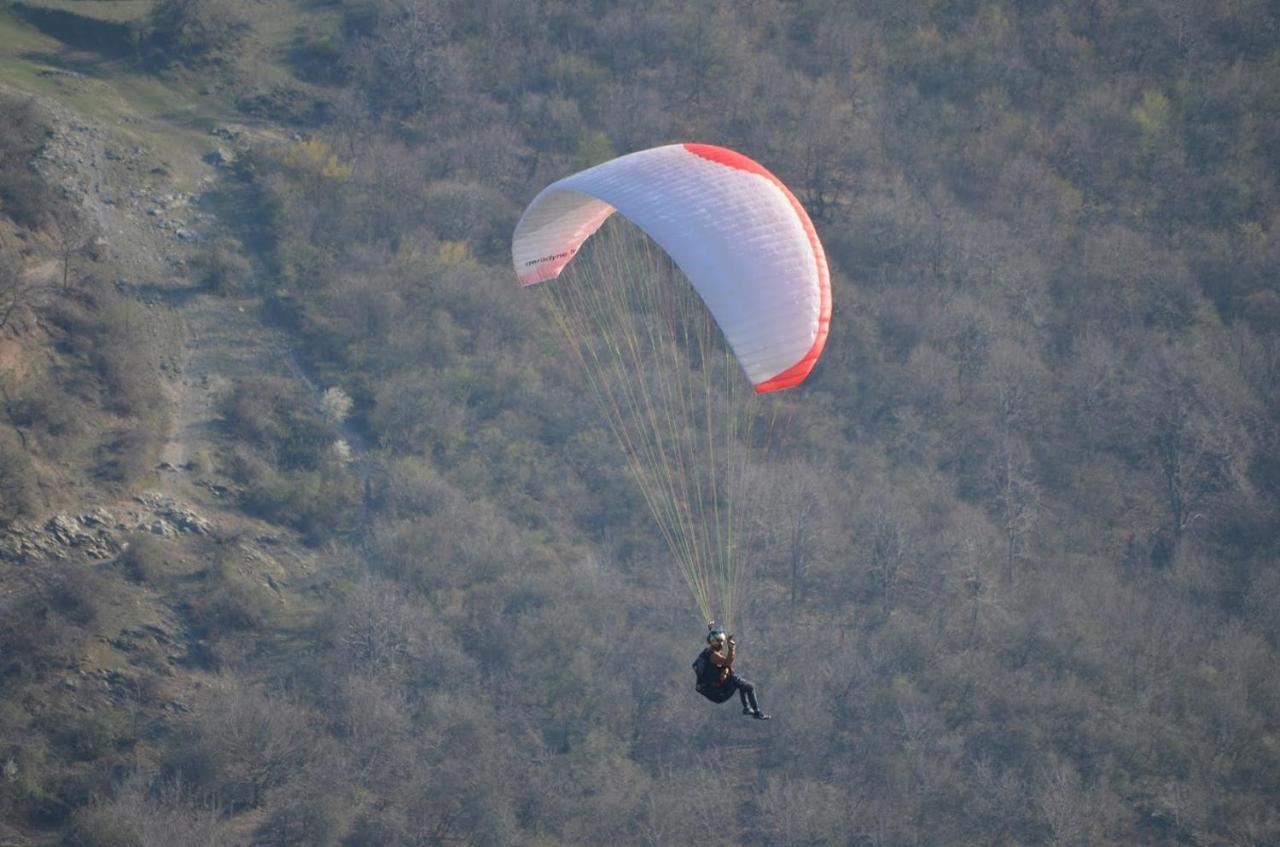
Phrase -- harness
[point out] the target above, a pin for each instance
(708, 678)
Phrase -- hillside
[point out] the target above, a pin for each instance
(310, 534)
(129, 574)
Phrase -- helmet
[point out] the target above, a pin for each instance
(716, 637)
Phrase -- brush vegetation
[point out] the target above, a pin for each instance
(1020, 580)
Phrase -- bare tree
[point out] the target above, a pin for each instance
(72, 235)
(1017, 499)
(13, 288)
(18, 494)
(245, 742)
(797, 812)
(790, 523)
(147, 814)
(826, 174)
(191, 29)
(375, 629)
(1189, 416)
(1066, 807)
(888, 540)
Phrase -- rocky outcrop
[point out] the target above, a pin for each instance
(95, 535)
(172, 518)
(125, 192)
(99, 534)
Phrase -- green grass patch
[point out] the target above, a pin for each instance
(115, 11)
(167, 116)
(169, 113)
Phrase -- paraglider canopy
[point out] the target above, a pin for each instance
(739, 235)
(737, 282)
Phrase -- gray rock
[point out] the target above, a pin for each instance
(152, 500)
(98, 518)
(219, 158)
(63, 525)
(188, 520)
(157, 634)
(67, 530)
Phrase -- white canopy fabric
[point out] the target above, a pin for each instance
(735, 231)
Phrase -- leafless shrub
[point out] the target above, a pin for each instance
(241, 742)
(193, 30)
(143, 814)
(127, 455)
(223, 268)
(145, 557)
(24, 197)
(14, 290)
(19, 496)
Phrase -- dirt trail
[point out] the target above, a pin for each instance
(225, 339)
(152, 230)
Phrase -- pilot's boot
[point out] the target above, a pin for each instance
(751, 707)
